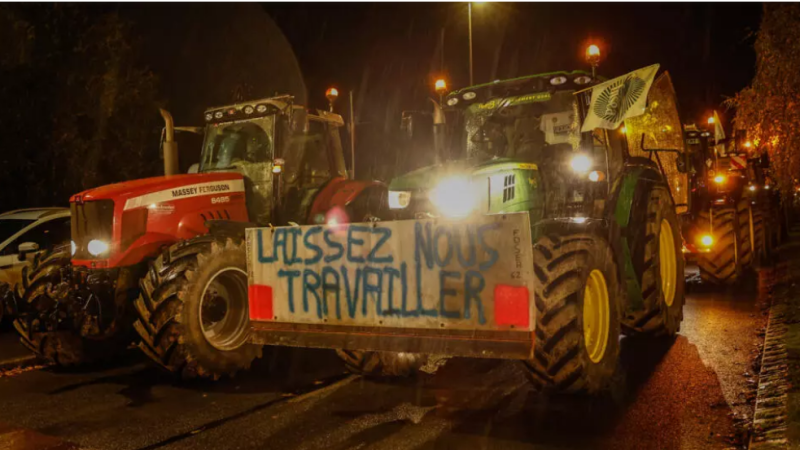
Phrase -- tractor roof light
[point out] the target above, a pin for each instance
(593, 54)
(331, 94)
(440, 86)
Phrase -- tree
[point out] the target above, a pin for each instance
(769, 109)
(79, 109)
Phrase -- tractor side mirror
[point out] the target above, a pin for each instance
(26, 248)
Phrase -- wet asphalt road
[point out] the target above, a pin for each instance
(681, 394)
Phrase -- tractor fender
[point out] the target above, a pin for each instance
(341, 196)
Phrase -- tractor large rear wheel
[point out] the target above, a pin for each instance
(577, 316)
(720, 265)
(662, 280)
(59, 327)
(193, 309)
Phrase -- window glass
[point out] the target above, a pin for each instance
(230, 144)
(307, 157)
(10, 227)
(49, 234)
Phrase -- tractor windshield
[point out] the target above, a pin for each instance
(235, 144)
(518, 127)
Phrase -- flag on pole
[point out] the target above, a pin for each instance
(619, 99)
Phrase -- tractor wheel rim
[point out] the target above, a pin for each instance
(667, 262)
(596, 315)
(229, 330)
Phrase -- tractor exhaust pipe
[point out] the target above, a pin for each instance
(169, 146)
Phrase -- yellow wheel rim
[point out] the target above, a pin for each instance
(667, 261)
(596, 312)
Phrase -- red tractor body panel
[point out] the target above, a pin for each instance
(160, 211)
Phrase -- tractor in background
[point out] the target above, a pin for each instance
(150, 258)
(732, 201)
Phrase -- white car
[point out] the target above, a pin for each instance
(25, 232)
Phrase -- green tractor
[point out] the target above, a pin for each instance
(601, 201)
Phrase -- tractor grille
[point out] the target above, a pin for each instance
(91, 220)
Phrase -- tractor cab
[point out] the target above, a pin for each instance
(284, 154)
(505, 135)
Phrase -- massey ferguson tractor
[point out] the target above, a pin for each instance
(732, 200)
(151, 255)
(547, 230)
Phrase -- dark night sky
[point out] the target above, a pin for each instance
(370, 46)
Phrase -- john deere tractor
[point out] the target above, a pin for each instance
(599, 253)
(151, 258)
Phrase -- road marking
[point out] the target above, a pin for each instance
(304, 393)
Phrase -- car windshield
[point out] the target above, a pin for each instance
(9, 227)
(520, 126)
(230, 145)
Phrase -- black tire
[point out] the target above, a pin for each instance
(56, 335)
(719, 266)
(745, 245)
(169, 309)
(387, 364)
(561, 360)
(762, 253)
(663, 301)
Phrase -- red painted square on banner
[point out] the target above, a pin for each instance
(260, 299)
(512, 305)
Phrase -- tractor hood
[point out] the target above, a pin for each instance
(427, 177)
(166, 188)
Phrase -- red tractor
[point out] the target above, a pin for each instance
(149, 255)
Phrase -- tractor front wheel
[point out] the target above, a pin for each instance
(577, 315)
(56, 325)
(193, 309)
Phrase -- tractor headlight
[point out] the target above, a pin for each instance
(454, 197)
(73, 248)
(580, 163)
(707, 240)
(399, 199)
(97, 247)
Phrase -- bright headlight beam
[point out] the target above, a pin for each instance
(73, 247)
(97, 247)
(580, 163)
(454, 197)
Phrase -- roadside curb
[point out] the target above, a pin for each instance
(769, 419)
